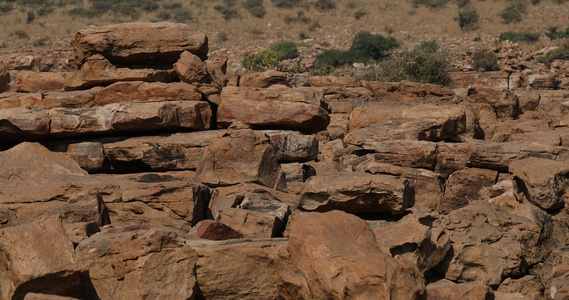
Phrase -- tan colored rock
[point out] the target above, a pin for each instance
(221, 267)
(357, 192)
(4, 80)
(67, 99)
(32, 82)
(37, 257)
(529, 287)
(136, 264)
(324, 81)
(36, 296)
(252, 224)
(338, 127)
(263, 79)
(191, 69)
(447, 290)
(334, 255)
(504, 101)
(405, 153)
(21, 123)
(138, 42)
(464, 186)
(555, 274)
(505, 129)
(124, 117)
(139, 91)
(414, 240)
(13, 99)
(274, 107)
(528, 100)
(543, 181)
(494, 79)
(89, 155)
(407, 91)
(213, 230)
(542, 81)
(97, 70)
(429, 186)
(257, 162)
(290, 146)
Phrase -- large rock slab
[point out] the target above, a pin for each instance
(464, 186)
(334, 255)
(504, 102)
(127, 43)
(14, 99)
(277, 107)
(139, 91)
(137, 264)
(494, 79)
(32, 82)
(263, 79)
(405, 153)
(37, 257)
(407, 91)
(357, 192)
(240, 156)
(22, 123)
(543, 181)
(448, 290)
(4, 80)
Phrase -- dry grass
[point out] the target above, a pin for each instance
(337, 27)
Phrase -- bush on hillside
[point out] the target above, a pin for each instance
(468, 18)
(431, 3)
(255, 8)
(6, 8)
(285, 50)
(286, 3)
(426, 63)
(519, 36)
(462, 3)
(260, 61)
(486, 60)
(324, 5)
(512, 13)
(554, 34)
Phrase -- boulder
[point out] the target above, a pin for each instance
(464, 186)
(543, 81)
(128, 43)
(357, 192)
(255, 157)
(290, 146)
(21, 123)
(528, 287)
(263, 79)
(213, 230)
(494, 79)
(407, 91)
(89, 155)
(276, 107)
(554, 274)
(191, 69)
(243, 269)
(37, 257)
(415, 240)
(334, 255)
(32, 82)
(36, 296)
(404, 153)
(13, 99)
(504, 102)
(139, 91)
(67, 99)
(447, 290)
(543, 181)
(125, 263)
(4, 80)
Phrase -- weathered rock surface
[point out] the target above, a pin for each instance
(448, 290)
(494, 79)
(357, 192)
(213, 230)
(4, 80)
(138, 91)
(263, 79)
(464, 186)
(129, 43)
(31, 82)
(406, 91)
(405, 153)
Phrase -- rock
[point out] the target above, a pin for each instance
(252, 224)
(354, 265)
(36, 296)
(543, 181)
(414, 240)
(555, 274)
(489, 244)
(67, 99)
(4, 80)
(290, 146)
(124, 117)
(448, 290)
(357, 192)
(494, 79)
(263, 79)
(429, 186)
(128, 43)
(404, 153)
(13, 99)
(338, 127)
(464, 186)
(407, 91)
(529, 287)
(32, 82)
(97, 70)
(213, 230)
(191, 69)
(221, 266)
(20, 124)
(298, 172)
(542, 81)
(139, 91)
(504, 102)
(37, 257)
(137, 264)
(255, 157)
(324, 81)
(89, 155)
(528, 100)
(276, 107)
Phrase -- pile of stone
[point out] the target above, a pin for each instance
(148, 172)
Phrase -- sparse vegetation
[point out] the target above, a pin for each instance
(462, 3)
(6, 8)
(221, 36)
(286, 3)
(285, 50)
(20, 34)
(359, 14)
(31, 17)
(260, 61)
(227, 10)
(485, 60)
(41, 42)
(468, 18)
(255, 8)
(431, 3)
(513, 13)
(519, 36)
(324, 5)
(300, 17)
(554, 34)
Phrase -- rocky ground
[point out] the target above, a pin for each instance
(138, 167)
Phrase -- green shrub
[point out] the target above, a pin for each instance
(359, 14)
(20, 34)
(182, 16)
(562, 52)
(426, 63)
(45, 10)
(462, 3)
(332, 58)
(173, 5)
(255, 8)
(285, 50)
(554, 34)
(542, 59)
(221, 36)
(486, 60)
(314, 25)
(227, 13)
(324, 5)
(431, 3)
(468, 18)
(286, 3)
(262, 60)
(6, 8)
(41, 42)
(31, 17)
(512, 13)
(477, 39)
(150, 6)
(519, 36)
(164, 15)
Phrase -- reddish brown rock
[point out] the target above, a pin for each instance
(323, 81)
(138, 42)
(36, 296)
(357, 192)
(263, 79)
(504, 101)
(405, 153)
(528, 100)
(542, 81)
(37, 257)
(255, 157)
(13, 99)
(89, 155)
(21, 123)
(138, 91)
(191, 69)
(495, 79)
(4, 80)
(334, 255)
(137, 264)
(290, 146)
(32, 82)
(407, 91)
(252, 224)
(528, 287)
(67, 99)
(275, 107)
(213, 230)
(543, 181)
(448, 290)
(464, 186)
